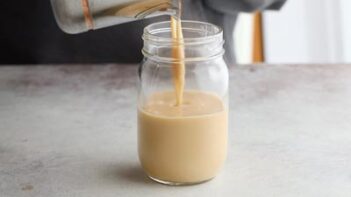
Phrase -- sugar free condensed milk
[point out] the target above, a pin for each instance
(183, 144)
(182, 134)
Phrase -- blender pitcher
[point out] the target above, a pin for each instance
(77, 16)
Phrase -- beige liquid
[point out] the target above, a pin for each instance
(178, 54)
(182, 135)
(136, 8)
(182, 144)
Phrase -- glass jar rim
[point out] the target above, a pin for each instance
(154, 28)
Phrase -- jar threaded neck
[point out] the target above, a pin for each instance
(201, 41)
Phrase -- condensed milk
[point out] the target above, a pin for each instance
(182, 134)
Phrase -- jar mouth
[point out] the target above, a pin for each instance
(200, 33)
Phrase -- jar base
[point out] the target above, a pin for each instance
(169, 183)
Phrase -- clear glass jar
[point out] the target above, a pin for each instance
(184, 144)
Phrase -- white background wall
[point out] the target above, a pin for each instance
(309, 31)
(243, 40)
(345, 6)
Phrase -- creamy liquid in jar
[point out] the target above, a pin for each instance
(182, 135)
(183, 144)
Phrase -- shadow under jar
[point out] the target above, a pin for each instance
(185, 144)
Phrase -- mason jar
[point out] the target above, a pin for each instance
(187, 143)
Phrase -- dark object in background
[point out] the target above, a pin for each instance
(30, 35)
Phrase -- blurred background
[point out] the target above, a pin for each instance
(313, 31)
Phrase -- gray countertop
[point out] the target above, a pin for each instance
(71, 131)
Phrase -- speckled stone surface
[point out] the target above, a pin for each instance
(71, 131)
